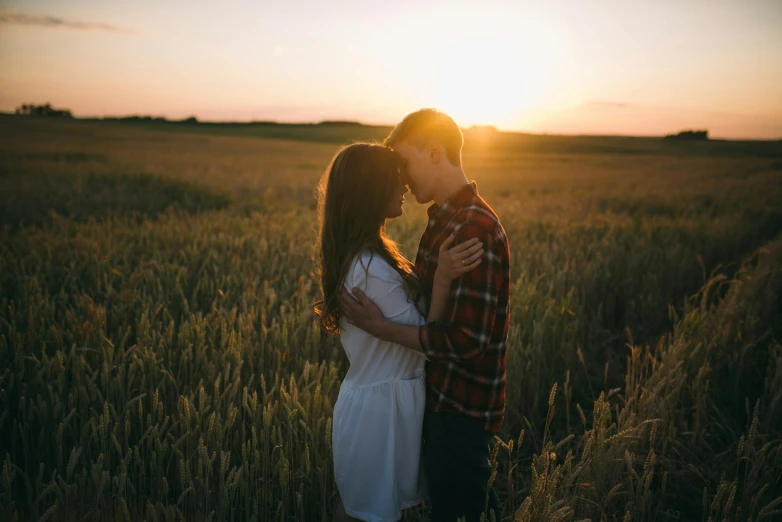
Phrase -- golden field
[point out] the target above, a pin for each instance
(159, 359)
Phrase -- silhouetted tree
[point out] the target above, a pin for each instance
(29, 109)
(689, 135)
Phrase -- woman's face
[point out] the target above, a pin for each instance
(394, 208)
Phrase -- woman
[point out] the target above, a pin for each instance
(378, 415)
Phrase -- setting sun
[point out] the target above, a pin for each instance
(482, 79)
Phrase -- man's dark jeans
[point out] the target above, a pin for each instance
(456, 458)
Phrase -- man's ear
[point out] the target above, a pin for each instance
(435, 152)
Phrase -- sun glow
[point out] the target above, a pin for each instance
(485, 79)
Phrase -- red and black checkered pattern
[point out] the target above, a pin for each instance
(466, 350)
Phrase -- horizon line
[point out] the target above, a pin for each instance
(164, 119)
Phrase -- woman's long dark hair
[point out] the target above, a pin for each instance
(353, 197)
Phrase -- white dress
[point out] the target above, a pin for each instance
(378, 416)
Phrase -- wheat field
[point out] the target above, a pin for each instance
(159, 358)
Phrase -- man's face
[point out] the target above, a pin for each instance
(418, 172)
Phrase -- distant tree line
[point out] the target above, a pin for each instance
(192, 120)
(29, 109)
(689, 135)
(485, 129)
(149, 119)
(133, 119)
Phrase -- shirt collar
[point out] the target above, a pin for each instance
(460, 198)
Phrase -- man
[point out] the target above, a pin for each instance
(465, 370)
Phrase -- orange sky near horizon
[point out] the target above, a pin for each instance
(592, 67)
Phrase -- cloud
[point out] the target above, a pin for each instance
(9, 16)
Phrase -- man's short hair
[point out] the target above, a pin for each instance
(422, 126)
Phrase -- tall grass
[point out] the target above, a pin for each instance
(693, 434)
(159, 359)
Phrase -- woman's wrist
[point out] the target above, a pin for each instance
(441, 281)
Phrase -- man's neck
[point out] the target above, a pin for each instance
(450, 184)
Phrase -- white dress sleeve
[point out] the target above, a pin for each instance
(385, 287)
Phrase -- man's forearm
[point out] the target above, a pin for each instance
(404, 334)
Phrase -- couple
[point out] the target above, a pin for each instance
(425, 392)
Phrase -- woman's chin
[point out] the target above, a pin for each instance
(396, 213)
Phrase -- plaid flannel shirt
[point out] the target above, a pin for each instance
(465, 372)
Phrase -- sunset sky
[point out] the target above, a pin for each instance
(572, 67)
